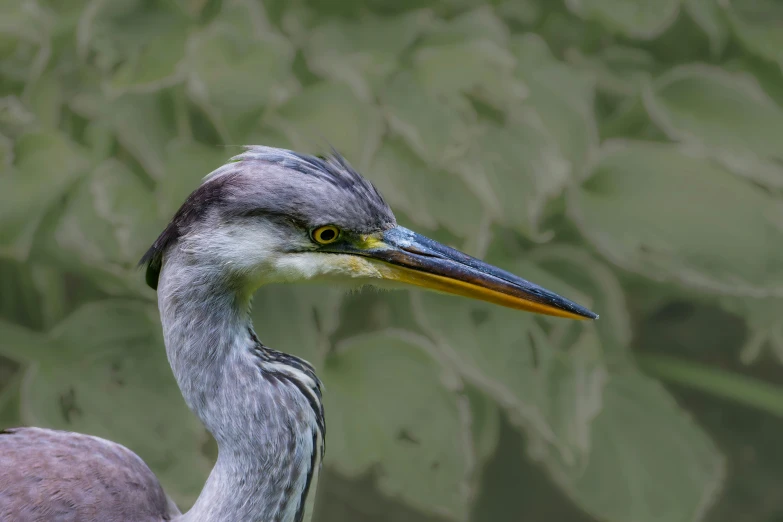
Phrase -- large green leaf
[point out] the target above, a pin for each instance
(710, 18)
(138, 50)
(546, 387)
(478, 67)
(617, 70)
(756, 23)
(420, 450)
(562, 99)
(25, 41)
(20, 19)
(53, 298)
(186, 164)
(648, 461)
(729, 115)
(516, 169)
(22, 300)
(634, 18)
(480, 23)
(437, 129)
(432, 198)
(115, 383)
(29, 189)
(766, 330)
(329, 112)
(6, 152)
(21, 344)
(156, 64)
(107, 224)
(197, 9)
(137, 121)
(369, 310)
(597, 281)
(15, 117)
(362, 53)
(469, 55)
(313, 308)
(525, 12)
(10, 399)
(768, 75)
(485, 415)
(237, 65)
(715, 232)
(45, 100)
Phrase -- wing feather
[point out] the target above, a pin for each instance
(61, 476)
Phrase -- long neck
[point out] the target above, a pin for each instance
(262, 407)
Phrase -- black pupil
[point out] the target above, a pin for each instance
(328, 234)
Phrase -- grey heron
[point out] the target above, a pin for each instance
(268, 215)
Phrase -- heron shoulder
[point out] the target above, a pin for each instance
(69, 476)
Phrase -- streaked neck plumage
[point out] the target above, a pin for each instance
(263, 407)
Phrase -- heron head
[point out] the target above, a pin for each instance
(273, 215)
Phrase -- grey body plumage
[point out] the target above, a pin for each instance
(269, 215)
(75, 474)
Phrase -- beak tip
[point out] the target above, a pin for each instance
(582, 313)
(587, 315)
(574, 310)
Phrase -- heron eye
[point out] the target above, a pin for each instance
(326, 234)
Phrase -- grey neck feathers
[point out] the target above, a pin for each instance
(262, 407)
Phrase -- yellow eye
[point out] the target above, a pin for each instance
(326, 234)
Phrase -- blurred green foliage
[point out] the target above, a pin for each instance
(624, 153)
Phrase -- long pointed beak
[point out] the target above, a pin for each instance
(415, 259)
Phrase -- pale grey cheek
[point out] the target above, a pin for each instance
(254, 251)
